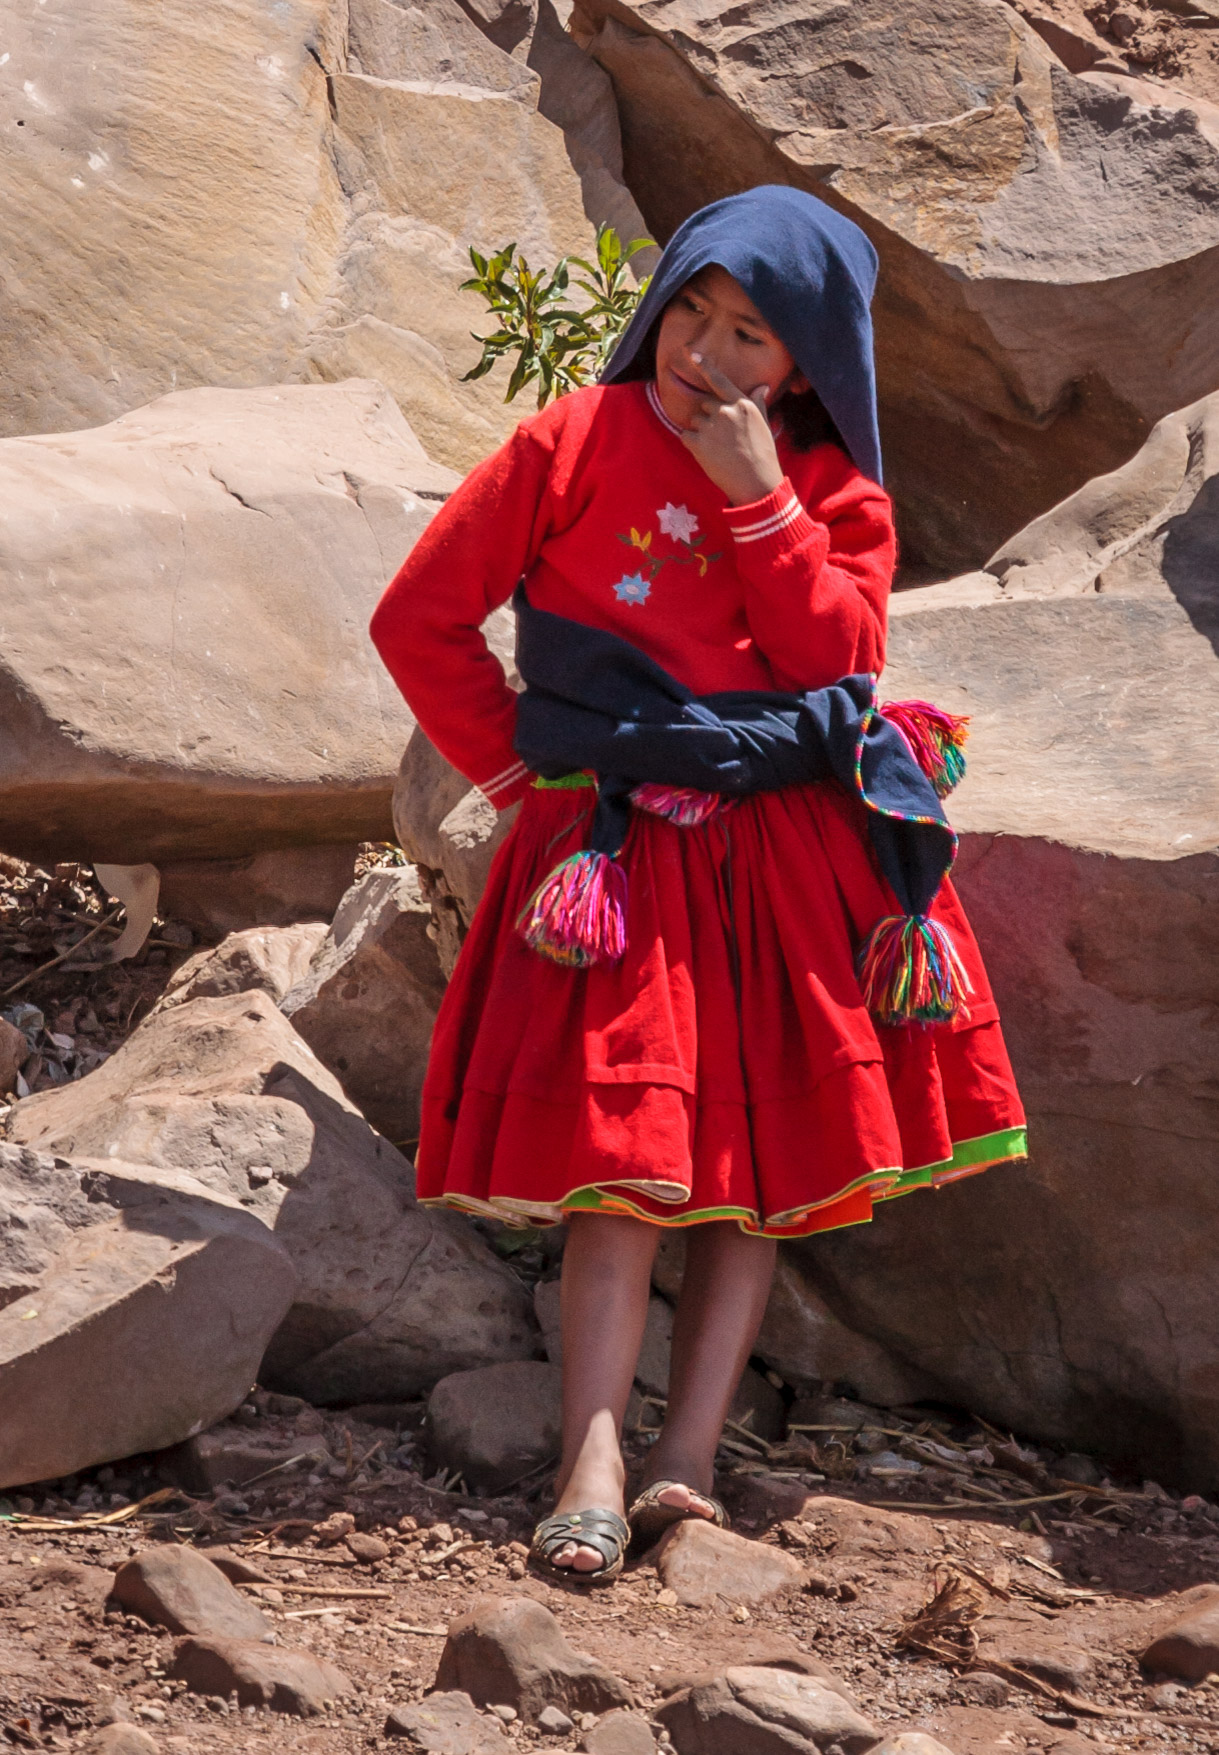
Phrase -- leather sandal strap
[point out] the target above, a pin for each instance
(602, 1530)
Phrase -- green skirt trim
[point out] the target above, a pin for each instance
(969, 1156)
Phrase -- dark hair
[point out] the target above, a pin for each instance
(805, 418)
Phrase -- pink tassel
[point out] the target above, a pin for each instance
(936, 739)
(909, 972)
(680, 804)
(578, 915)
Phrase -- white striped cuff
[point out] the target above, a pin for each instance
(504, 781)
(787, 514)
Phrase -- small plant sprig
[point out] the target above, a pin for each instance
(557, 345)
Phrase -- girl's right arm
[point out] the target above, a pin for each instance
(427, 625)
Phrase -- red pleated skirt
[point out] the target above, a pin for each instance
(727, 1067)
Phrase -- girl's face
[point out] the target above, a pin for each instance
(712, 316)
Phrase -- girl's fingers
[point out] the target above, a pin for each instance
(723, 386)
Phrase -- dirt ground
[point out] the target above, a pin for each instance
(1061, 1595)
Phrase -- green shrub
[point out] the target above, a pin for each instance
(556, 344)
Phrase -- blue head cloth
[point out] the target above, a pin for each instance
(811, 273)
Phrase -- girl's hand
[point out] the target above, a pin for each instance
(731, 438)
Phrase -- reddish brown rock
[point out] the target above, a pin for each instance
(702, 1564)
(369, 1549)
(497, 1423)
(911, 1743)
(767, 1712)
(176, 1587)
(511, 1652)
(261, 1675)
(1189, 1646)
(122, 1739)
(446, 1724)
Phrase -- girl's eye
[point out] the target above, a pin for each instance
(753, 340)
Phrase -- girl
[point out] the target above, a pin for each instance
(729, 1028)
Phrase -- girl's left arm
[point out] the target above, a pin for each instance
(817, 587)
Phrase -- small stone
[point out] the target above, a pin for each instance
(701, 1564)
(511, 1651)
(446, 1724)
(336, 1528)
(507, 1713)
(1063, 1666)
(554, 1722)
(1166, 1697)
(619, 1733)
(368, 1549)
(740, 1613)
(982, 1689)
(283, 1679)
(176, 1587)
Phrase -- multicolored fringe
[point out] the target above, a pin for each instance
(909, 972)
(680, 804)
(578, 915)
(936, 739)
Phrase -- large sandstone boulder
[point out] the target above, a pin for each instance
(1049, 240)
(227, 195)
(368, 1000)
(390, 1296)
(186, 669)
(1074, 1300)
(135, 1305)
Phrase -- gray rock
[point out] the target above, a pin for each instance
(262, 959)
(1075, 1467)
(122, 1739)
(981, 1689)
(232, 566)
(176, 1587)
(231, 1455)
(136, 1305)
(390, 1296)
(446, 1724)
(768, 1712)
(553, 1722)
(498, 1423)
(983, 430)
(1083, 638)
(511, 1652)
(619, 1733)
(274, 1676)
(367, 1004)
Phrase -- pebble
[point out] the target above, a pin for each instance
(554, 1722)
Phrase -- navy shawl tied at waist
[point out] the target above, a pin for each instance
(594, 701)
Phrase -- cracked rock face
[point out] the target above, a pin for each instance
(234, 196)
(1073, 1299)
(187, 672)
(135, 1305)
(1048, 240)
(390, 1296)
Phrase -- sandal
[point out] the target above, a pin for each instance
(603, 1530)
(649, 1519)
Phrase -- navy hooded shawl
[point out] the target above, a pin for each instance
(811, 273)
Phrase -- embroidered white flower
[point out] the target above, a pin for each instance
(632, 588)
(677, 521)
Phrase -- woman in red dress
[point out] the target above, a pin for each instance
(716, 502)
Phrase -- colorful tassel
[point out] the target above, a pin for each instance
(936, 739)
(578, 915)
(680, 804)
(909, 972)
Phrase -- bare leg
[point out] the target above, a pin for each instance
(722, 1303)
(607, 1272)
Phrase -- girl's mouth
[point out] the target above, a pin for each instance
(685, 384)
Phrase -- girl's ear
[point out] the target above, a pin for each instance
(797, 384)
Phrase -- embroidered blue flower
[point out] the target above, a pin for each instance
(632, 588)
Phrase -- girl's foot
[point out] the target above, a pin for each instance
(601, 1533)
(596, 1483)
(665, 1503)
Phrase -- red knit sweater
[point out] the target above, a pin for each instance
(607, 516)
